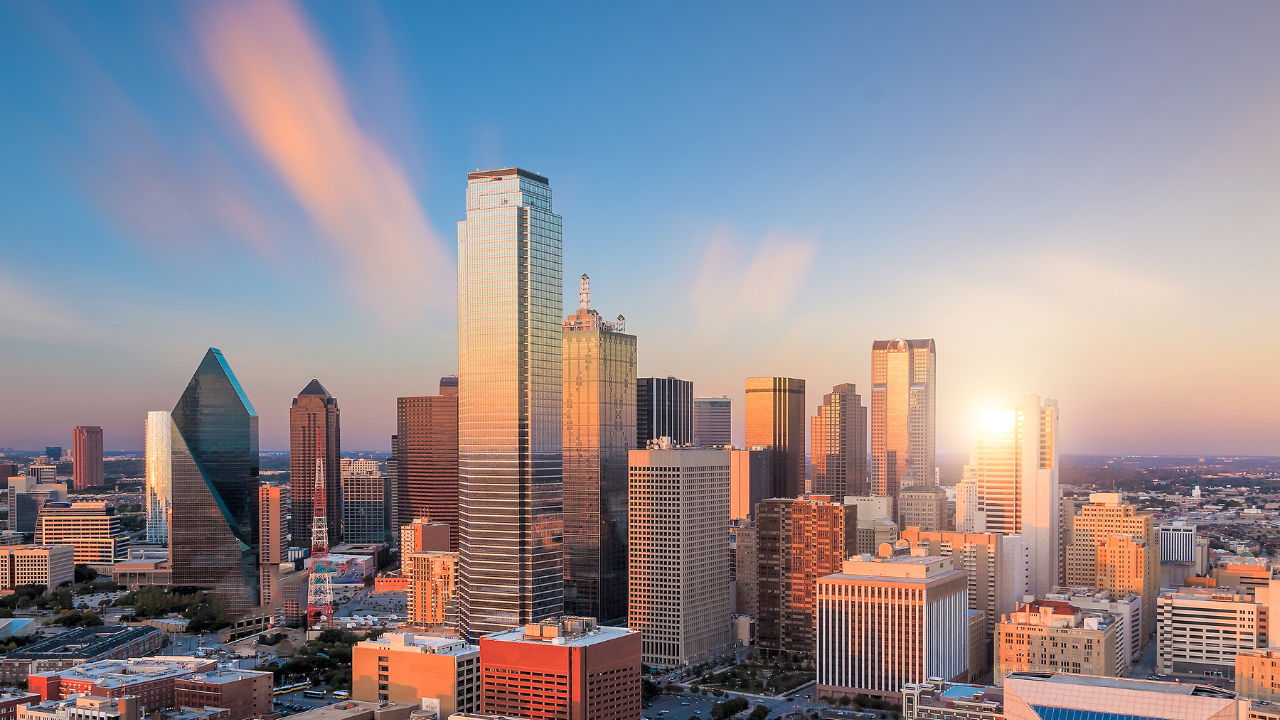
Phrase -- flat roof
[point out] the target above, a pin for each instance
(601, 634)
(83, 642)
(224, 676)
(1154, 686)
(354, 708)
(501, 172)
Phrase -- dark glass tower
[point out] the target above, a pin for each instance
(664, 408)
(213, 524)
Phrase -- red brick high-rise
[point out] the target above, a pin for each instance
(314, 413)
(86, 451)
(427, 458)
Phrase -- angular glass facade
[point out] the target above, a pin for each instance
(838, 436)
(159, 465)
(775, 419)
(599, 429)
(213, 523)
(509, 412)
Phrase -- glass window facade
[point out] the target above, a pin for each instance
(510, 298)
(159, 486)
(213, 523)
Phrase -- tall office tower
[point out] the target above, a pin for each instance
(213, 524)
(839, 437)
(996, 565)
(895, 620)
(903, 415)
(799, 542)
(967, 506)
(314, 430)
(924, 507)
(366, 514)
(1070, 508)
(427, 457)
(750, 473)
(664, 408)
(1177, 542)
(746, 554)
(393, 488)
(1015, 468)
(8, 470)
(1129, 564)
(509, 414)
(712, 421)
(433, 584)
(159, 441)
(92, 527)
(599, 430)
(26, 497)
(775, 419)
(53, 453)
(679, 585)
(271, 542)
(86, 448)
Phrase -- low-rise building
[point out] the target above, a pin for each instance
(957, 701)
(78, 646)
(1202, 629)
(355, 710)
(416, 667)
(1053, 636)
(11, 699)
(92, 527)
(47, 565)
(83, 707)
(563, 669)
(923, 507)
(243, 693)
(1258, 674)
(151, 680)
(1046, 696)
(1127, 607)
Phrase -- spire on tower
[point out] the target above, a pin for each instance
(584, 292)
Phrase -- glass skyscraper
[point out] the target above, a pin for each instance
(599, 430)
(159, 466)
(775, 419)
(213, 522)
(509, 412)
(903, 415)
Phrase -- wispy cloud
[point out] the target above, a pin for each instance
(26, 312)
(733, 283)
(274, 74)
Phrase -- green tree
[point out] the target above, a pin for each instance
(84, 573)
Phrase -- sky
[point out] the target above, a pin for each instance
(1074, 200)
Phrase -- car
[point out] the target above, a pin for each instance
(686, 702)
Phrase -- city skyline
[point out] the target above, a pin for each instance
(1086, 226)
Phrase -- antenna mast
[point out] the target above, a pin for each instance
(320, 587)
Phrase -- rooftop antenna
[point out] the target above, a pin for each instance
(584, 292)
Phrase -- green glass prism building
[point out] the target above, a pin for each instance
(510, 469)
(213, 522)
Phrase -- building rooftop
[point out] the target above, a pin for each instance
(569, 631)
(83, 643)
(358, 710)
(189, 713)
(120, 673)
(422, 643)
(900, 566)
(225, 675)
(1127, 684)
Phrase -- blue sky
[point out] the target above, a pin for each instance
(1075, 201)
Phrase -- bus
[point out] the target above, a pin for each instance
(314, 693)
(286, 689)
(341, 694)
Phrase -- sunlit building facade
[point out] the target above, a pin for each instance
(86, 451)
(599, 430)
(159, 466)
(678, 548)
(213, 527)
(776, 419)
(366, 510)
(314, 432)
(1014, 471)
(839, 437)
(427, 458)
(510, 414)
(1114, 547)
(433, 587)
(271, 542)
(903, 414)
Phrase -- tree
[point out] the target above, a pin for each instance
(759, 713)
(90, 619)
(84, 573)
(648, 689)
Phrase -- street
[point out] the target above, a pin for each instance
(700, 706)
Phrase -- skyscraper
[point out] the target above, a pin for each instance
(1015, 470)
(314, 429)
(159, 441)
(678, 544)
(599, 430)
(366, 514)
(271, 543)
(775, 419)
(86, 449)
(839, 437)
(509, 412)
(902, 415)
(664, 408)
(1113, 547)
(712, 422)
(427, 457)
(213, 523)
